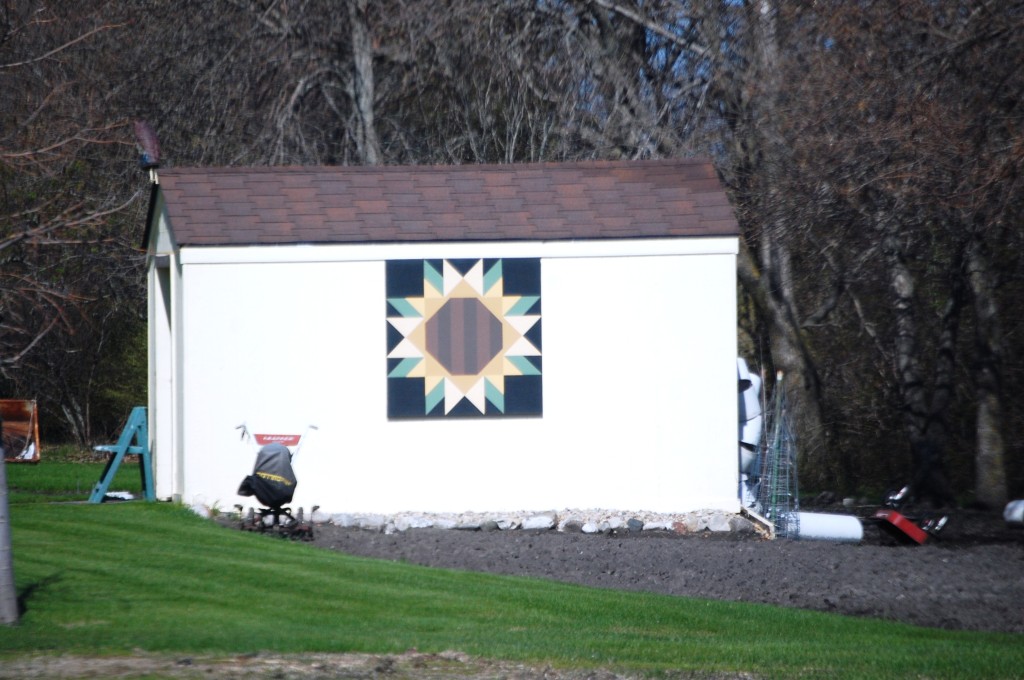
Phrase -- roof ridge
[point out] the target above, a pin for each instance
(439, 167)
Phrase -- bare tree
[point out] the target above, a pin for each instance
(39, 153)
(908, 116)
(39, 208)
(65, 258)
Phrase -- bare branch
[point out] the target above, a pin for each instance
(655, 28)
(65, 221)
(15, 359)
(61, 48)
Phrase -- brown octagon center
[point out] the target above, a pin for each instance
(464, 336)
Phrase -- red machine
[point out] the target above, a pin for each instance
(898, 525)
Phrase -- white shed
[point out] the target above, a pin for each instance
(468, 338)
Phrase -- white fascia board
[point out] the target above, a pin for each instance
(161, 238)
(447, 249)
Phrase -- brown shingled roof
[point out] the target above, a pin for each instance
(547, 201)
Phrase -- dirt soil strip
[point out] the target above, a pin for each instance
(971, 579)
(446, 665)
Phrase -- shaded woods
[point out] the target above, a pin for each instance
(873, 151)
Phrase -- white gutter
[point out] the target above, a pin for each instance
(364, 252)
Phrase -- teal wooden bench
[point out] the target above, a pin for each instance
(134, 440)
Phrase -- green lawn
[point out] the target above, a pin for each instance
(115, 578)
(67, 474)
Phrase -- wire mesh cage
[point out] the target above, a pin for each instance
(778, 492)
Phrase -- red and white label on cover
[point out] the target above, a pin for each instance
(286, 439)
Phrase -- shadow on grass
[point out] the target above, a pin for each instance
(32, 588)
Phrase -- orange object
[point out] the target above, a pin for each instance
(19, 430)
(900, 527)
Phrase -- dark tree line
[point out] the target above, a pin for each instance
(873, 151)
(69, 281)
(902, 195)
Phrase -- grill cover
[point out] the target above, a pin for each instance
(272, 480)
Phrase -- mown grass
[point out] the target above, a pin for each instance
(67, 473)
(116, 578)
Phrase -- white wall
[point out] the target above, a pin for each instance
(639, 383)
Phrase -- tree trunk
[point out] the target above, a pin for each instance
(925, 425)
(8, 593)
(759, 152)
(367, 143)
(990, 488)
(791, 356)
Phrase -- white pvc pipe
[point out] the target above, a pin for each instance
(1014, 512)
(750, 417)
(822, 527)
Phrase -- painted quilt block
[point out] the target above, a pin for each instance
(464, 338)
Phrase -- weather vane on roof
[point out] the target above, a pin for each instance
(149, 148)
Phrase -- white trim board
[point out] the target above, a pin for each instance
(363, 252)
